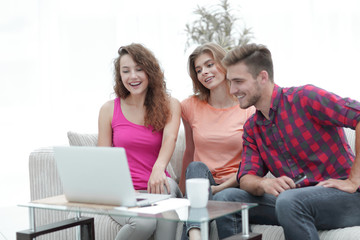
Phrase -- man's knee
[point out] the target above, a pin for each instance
(288, 197)
(286, 203)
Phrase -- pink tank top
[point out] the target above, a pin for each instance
(141, 144)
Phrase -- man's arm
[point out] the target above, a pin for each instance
(351, 184)
(252, 164)
(258, 186)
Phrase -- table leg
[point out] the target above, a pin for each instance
(204, 228)
(87, 229)
(245, 222)
(245, 235)
(32, 219)
(78, 229)
(252, 236)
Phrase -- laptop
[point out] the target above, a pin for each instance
(99, 175)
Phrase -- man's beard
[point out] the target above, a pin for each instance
(253, 99)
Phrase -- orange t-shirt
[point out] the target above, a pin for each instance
(217, 135)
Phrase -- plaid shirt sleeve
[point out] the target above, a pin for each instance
(329, 109)
(251, 160)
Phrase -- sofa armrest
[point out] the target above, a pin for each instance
(175, 164)
(44, 178)
(350, 136)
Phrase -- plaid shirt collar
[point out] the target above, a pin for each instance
(275, 100)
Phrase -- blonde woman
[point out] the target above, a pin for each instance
(213, 123)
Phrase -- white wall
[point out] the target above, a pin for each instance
(56, 61)
(312, 41)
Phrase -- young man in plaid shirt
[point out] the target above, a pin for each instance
(294, 130)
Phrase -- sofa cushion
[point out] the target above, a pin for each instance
(82, 139)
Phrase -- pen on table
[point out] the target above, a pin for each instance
(145, 205)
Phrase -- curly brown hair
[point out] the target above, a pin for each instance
(218, 54)
(157, 100)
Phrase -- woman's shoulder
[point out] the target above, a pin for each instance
(109, 103)
(174, 103)
(106, 112)
(192, 100)
(174, 100)
(108, 106)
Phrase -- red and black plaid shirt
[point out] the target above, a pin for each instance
(304, 134)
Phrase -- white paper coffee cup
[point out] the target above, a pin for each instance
(197, 191)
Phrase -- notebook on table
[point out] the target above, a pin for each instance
(99, 175)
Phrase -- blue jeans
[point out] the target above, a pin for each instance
(197, 170)
(301, 211)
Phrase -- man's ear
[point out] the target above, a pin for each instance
(264, 76)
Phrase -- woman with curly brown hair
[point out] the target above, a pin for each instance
(144, 120)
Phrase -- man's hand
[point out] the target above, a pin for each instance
(275, 186)
(344, 185)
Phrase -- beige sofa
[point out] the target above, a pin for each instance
(45, 182)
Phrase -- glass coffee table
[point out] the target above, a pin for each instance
(179, 213)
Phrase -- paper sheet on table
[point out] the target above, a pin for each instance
(161, 206)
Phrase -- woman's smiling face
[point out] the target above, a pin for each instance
(208, 73)
(133, 76)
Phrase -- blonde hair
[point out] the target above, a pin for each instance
(218, 54)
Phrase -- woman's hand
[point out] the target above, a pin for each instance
(231, 182)
(215, 189)
(157, 182)
(158, 179)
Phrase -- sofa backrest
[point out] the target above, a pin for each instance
(174, 167)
